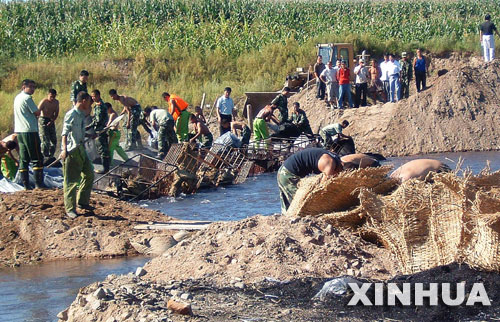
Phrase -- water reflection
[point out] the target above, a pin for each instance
(39, 292)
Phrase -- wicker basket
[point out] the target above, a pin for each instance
(338, 193)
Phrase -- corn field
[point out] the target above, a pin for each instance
(54, 28)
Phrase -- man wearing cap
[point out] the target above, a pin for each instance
(302, 164)
(225, 109)
(362, 74)
(406, 75)
(486, 31)
(281, 103)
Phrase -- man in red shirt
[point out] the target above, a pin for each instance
(343, 76)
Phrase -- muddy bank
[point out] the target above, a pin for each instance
(458, 112)
(133, 298)
(33, 227)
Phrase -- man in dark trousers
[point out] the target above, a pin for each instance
(302, 164)
(281, 103)
(321, 86)
(99, 122)
(26, 115)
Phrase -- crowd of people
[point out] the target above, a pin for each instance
(91, 118)
(35, 137)
(388, 81)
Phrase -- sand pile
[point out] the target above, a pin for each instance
(459, 112)
(33, 227)
(278, 247)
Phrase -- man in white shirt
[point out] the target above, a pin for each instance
(329, 77)
(393, 70)
(362, 74)
(384, 77)
(225, 109)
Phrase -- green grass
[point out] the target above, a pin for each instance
(191, 47)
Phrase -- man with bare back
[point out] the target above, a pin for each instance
(202, 132)
(49, 111)
(133, 110)
(376, 85)
(260, 131)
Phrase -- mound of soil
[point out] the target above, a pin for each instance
(34, 227)
(277, 247)
(458, 112)
(131, 298)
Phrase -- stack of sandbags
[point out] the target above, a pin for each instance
(335, 198)
(429, 224)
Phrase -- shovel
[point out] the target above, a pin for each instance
(112, 124)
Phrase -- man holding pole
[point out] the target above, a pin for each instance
(77, 168)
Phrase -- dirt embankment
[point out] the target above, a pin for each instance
(33, 227)
(458, 112)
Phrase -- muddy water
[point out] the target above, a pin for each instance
(259, 195)
(38, 293)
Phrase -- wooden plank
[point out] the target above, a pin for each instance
(171, 227)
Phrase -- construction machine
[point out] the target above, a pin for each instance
(303, 77)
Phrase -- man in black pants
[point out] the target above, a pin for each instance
(321, 86)
(302, 164)
(362, 74)
(26, 114)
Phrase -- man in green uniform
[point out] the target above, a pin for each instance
(163, 121)
(299, 118)
(114, 136)
(77, 169)
(301, 164)
(79, 86)
(49, 111)
(281, 103)
(26, 128)
(406, 75)
(99, 123)
(330, 131)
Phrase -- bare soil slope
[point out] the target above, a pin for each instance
(458, 112)
(277, 246)
(33, 227)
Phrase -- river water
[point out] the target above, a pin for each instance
(38, 293)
